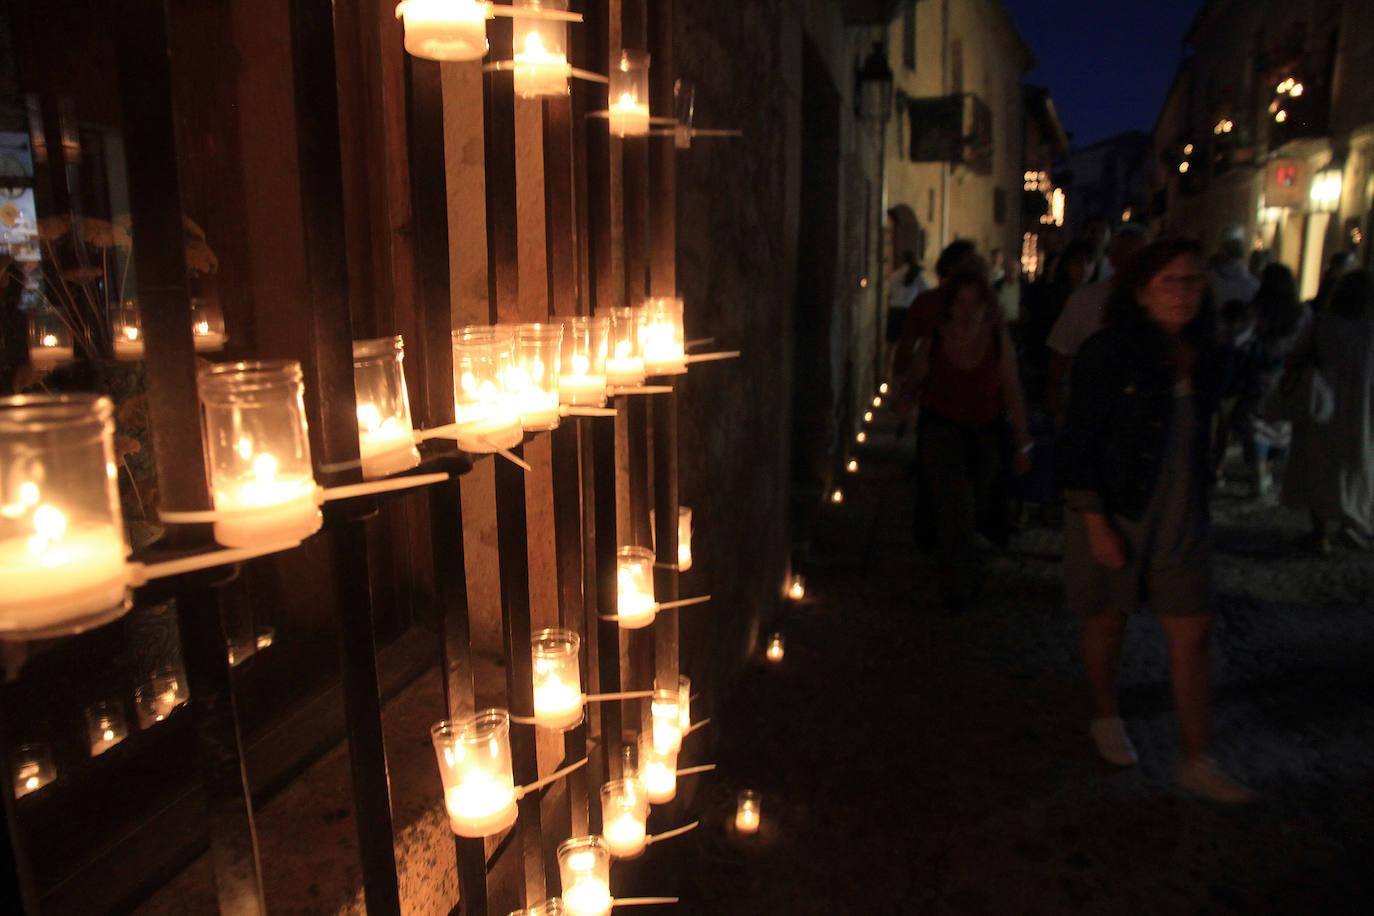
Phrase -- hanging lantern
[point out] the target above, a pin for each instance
(582, 361)
(624, 360)
(624, 815)
(662, 340)
(484, 416)
(635, 605)
(557, 679)
(541, 51)
(448, 30)
(259, 453)
(533, 379)
(475, 766)
(629, 95)
(386, 436)
(584, 866)
(873, 87)
(62, 552)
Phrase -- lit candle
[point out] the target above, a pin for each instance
(155, 699)
(205, 337)
(538, 71)
(557, 675)
(584, 865)
(775, 648)
(868, 416)
(882, 389)
(635, 606)
(386, 436)
(661, 336)
(265, 505)
(475, 766)
(625, 368)
(797, 589)
(626, 835)
(105, 727)
(684, 539)
(747, 813)
(33, 768)
(128, 341)
(629, 117)
(624, 812)
(666, 725)
(877, 402)
(684, 700)
(657, 771)
(485, 415)
(837, 496)
(582, 364)
(62, 553)
(852, 467)
(579, 386)
(532, 381)
(386, 444)
(861, 438)
(451, 30)
(50, 351)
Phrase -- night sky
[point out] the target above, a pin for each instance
(1107, 63)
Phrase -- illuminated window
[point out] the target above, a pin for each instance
(1030, 255)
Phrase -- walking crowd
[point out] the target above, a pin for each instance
(1114, 392)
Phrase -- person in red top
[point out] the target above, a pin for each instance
(925, 312)
(964, 378)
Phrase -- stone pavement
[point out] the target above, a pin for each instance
(914, 762)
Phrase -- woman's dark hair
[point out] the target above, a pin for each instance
(1353, 297)
(1124, 308)
(954, 253)
(1276, 303)
(913, 267)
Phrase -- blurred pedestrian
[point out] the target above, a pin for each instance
(929, 307)
(1044, 304)
(1331, 470)
(1279, 320)
(972, 414)
(905, 285)
(1136, 474)
(1083, 312)
(1232, 283)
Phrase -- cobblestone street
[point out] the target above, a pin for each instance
(915, 762)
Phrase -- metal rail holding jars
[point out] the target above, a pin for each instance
(609, 230)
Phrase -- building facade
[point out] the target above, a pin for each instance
(1269, 129)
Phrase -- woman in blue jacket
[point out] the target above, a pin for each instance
(1136, 475)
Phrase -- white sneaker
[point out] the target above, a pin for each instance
(1113, 744)
(1204, 778)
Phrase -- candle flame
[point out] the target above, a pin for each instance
(108, 734)
(49, 340)
(265, 467)
(622, 349)
(582, 861)
(369, 417)
(581, 365)
(201, 328)
(130, 333)
(31, 783)
(49, 524)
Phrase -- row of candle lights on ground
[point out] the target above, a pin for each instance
(62, 547)
(861, 437)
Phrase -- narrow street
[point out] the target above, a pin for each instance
(973, 728)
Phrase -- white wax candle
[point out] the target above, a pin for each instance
(60, 575)
(266, 508)
(480, 805)
(582, 389)
(445, 29)
(747, 818)
(557, 704)
(486, 419)
(635, 607)
(386, 446)
(625, 372)
(206, 339)
(663, 351)
(128, 342)
(629, 117)
(540, 72)
(668, 733)
(48, 355)
(660, 779)
(588, 896)
(626, 836)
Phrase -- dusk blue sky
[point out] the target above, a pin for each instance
(1107, 63)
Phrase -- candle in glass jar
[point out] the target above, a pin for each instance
(662, 339)
(629, 117)
(747, 812)
(775, 649)
(557, 673)
(105, 727)
(59, 573)
(581, 387)
(475, 767)
(128, 341)
(265, 505)
(453, 30)
(205, 337)
(385, 444)
(635, 606)
(624, 813)
(624, 367)
(540, 71)
(658, 773)
(796, 590)
(33, 768)
(584, 866)
(50, 352)
(480, 805)
(666, 716)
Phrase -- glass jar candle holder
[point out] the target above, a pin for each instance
(684, 701)
(50, 340)
(624, 816)
(796, 588)
(657, 770)
(684, 113)
(582, 361)
(747, 812)
(635, 606)
(584, 866)
(484, 413)
(105, 726)
(541, 51)
(533, 380)
(684, 536)
(451, 30)
(557, 679)
(126, 327)
(259, 453)
(475, 766)
(662, 338)
(776, 648)
(207, 324)
(62, 550)
(629, 95)
(33, 768)
(666, 718)
(624, 361)
(386, 435)
(156, 698)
